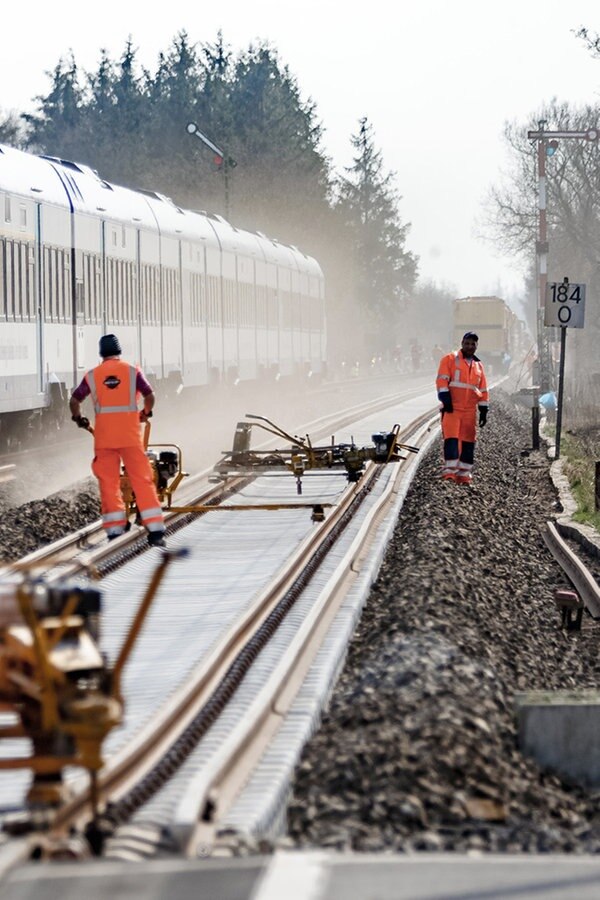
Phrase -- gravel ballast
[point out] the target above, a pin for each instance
(418, 749)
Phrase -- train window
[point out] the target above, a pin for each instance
(174, 297)
(99, 289)
(2, 276)
(286, 309)
(26, 282)
(108, 289)
(195, 298)
(67, 311)
(118, 298)
(23, 217)
(9, 281)
(94, 276)
(80, 297)
(150, 276)
(213, 300)
(114, 237)
(16, 280)
(245, 304)
(123, 236)
(7, 210)
(86, 287)
(58, 284)
(47, 296)
(112, 290)
(145, 294)
(126, 294)
(273, 308)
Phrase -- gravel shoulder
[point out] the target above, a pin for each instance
(418, 748)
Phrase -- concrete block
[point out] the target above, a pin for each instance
(561, 731)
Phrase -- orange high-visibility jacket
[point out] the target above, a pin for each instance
(113, 390)
(466, 382)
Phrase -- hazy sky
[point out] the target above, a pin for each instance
(436, 78)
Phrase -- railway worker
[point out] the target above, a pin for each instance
(462, 389)
(115, 386)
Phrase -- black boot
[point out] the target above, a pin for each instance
(156, 539)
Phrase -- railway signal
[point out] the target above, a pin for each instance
(222, 161)
(547, 145)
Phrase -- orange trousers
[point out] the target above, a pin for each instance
(106, 466)
(459, 431)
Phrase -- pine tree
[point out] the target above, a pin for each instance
(55, 130)
(385, 272)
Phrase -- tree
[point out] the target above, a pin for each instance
(12, 130)
(385, 272)
(56, 127)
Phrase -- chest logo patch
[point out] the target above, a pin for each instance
(111, 382)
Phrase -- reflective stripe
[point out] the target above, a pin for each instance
(450, 466)
(155, 526)
(150, 513)
(115, 409)
(461, 384)
(114, 516)
(92, 385)
(444, 377)
(464, 467)
(483, 404)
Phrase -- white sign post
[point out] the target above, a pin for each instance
(564, 308)
(565, 304)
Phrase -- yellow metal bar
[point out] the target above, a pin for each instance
(247, 506)
(394, 444)
(67, 612)
(43, 765)
(47, 690)
(275, 429)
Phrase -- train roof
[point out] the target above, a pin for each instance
(78, 186)
(30, 176)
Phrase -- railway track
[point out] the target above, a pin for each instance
(143, 765)
(135, 764)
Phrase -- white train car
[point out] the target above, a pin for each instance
(194, 300)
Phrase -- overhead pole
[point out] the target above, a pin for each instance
(547, 144)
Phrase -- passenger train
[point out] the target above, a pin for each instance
(194, 300)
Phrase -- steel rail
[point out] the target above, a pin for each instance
(130, 765)
(211, 793)
(135, 761)
(92, 541)
(576, 571)
(133, 764)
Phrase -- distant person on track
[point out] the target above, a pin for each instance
(114, 387)
(436, 355)
(415, 355)
(462, 389)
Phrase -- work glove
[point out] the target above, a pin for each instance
(446, 400)
(144, 416)
(81, 421)
(483, 415)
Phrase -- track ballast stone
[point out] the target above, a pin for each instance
(418, 749)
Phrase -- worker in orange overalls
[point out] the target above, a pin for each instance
(114, 387)
(462, 389)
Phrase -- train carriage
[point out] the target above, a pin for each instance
(194, 300)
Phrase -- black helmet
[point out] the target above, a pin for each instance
(109, 345)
